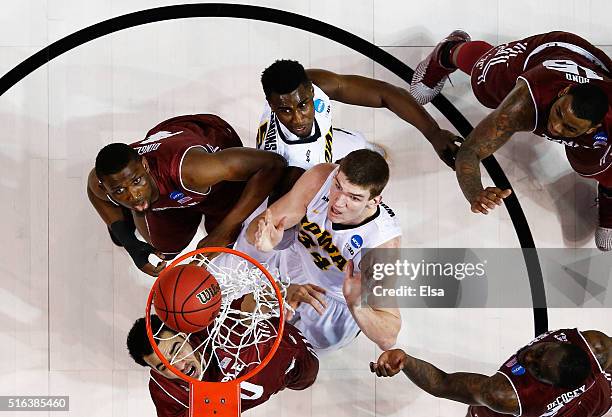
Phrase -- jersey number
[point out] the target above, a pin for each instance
(571, 68)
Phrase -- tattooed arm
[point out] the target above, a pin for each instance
(601, 345)
(515, 114)
(494, 392)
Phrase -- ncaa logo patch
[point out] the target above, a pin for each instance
(600, 139)
(518, 370)
(356, 241)
(176, 195)
(319, 105)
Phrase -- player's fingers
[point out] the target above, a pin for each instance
(268, 216)
(478, 208)
(505, 193)
(316, 287)
(349, 268)
(495, 198)
(315, 303)
(488, 203)
(160, 267)
(319, 296)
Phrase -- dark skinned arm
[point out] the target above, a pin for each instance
(368, 92)
(260, 169)
(515, 114)
(601, 345)
(493, 392)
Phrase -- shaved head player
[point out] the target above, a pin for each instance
(562, 373)
(186, 167)
(556, 85)
(297, 121)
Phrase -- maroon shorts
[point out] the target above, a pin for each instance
(592, 163)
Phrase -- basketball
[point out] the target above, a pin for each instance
(187, 298)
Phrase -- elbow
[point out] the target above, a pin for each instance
(278, 162)
(387, 343)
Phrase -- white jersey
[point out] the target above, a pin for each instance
(322, 249)
(318, 253)
(324, 144)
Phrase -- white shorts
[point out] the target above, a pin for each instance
(330, 331)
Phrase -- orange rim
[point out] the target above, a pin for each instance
(281, 326)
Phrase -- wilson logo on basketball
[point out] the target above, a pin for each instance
(205, 296)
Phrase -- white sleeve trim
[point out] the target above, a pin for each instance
(590, 350)
(535, 105)
(516, 392)
(181, 170)
(169, 395)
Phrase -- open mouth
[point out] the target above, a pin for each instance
(334, 211)
(190, 371)
(301, 129)
(141, 206)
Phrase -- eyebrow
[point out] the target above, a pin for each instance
(134, 176)
(169, 353)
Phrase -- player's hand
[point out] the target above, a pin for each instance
(269, 233)
(152, 270)
(389, 363)
(488, 199)
(446, 145)
(306, 293)
(139, 251)
(351, 287)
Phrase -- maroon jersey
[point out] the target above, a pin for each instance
(173, 219)
(537, 399)
(548, 63)
(294, 366)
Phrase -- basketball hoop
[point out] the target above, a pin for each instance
(232, 332)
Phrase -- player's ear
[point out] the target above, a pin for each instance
(593, 129)
(564, 91)
(375, 201)
(145, 164)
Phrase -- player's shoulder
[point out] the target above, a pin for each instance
(387, 225)
(387, 217)
(601, 345)
(317, 175)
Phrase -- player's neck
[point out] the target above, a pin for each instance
(155, 191)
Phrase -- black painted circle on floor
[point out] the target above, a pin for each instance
(328, 31)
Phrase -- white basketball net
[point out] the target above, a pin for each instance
(233, 331)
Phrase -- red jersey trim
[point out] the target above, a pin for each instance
(181, 170)
(535, 105)
(515, 393)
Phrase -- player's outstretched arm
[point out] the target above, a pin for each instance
(494, 392)
(380, 325)
(515, 114)
(368, 92)
(287, 211)
(261, 169)
(601, 345)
